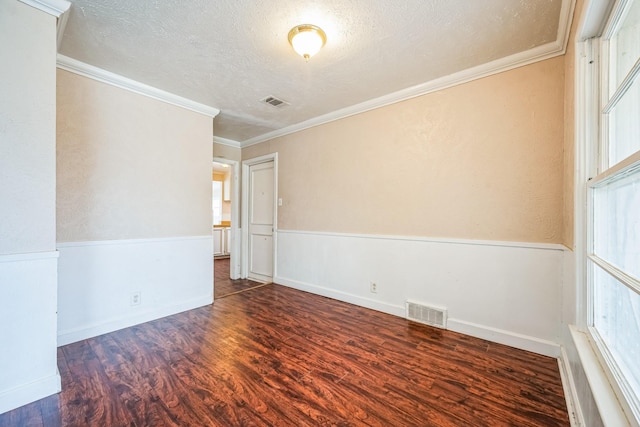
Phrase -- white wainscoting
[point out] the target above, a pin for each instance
(506, 292)
(97, 281)
(28, 360)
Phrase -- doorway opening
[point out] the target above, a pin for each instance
(226, 232)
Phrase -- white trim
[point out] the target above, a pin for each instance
(78, 334)
(104, 76)
(31, 256)
(61, 26)
(628, 166)
(234, 258)
(30, 392)
(53, 7)
(623, 87)
(395, 310)
(520, 59)
(576, 417)
(95, 280)
(609, 408)
(592, 20)
(58, 8)
(227, 142)
(585, 131)
(526, 245)
(615, 377)
(244, 269)
(130, 241)
(500, 336)
(625, 279)
(564, 23)
(612, 25)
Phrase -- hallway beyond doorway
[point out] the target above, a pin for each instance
(224, 286)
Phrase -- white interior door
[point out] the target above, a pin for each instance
(261, 223)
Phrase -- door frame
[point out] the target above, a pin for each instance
(246, 164)
(234, 254)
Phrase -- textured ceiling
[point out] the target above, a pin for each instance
(230, 54)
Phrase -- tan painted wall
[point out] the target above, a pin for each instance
(27, 129)
(129, 166)
(226, 152)
(481, 160)
(569, 132)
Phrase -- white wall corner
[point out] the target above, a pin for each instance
(57, 8)
(28, 298)
(225, 141)
(104, 76)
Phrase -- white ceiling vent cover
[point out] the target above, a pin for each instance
(429, 315)
(274, 102)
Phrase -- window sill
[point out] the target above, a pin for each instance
(610, 410)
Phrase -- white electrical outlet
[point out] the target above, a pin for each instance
(373, 287)
(136, 298)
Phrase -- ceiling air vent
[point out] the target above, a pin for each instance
(429, 315)
(274, 102)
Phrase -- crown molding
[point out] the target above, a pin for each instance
(57, 8)
(520, 59)
(539, 53)
(564, 24)
(104, 76)
(53, 7)
(227, 142)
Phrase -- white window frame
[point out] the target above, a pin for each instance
(591, 158)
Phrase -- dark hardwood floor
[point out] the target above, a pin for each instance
(274, 356)
(223, 285)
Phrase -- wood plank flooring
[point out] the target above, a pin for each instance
(274, 356)
(223, 285)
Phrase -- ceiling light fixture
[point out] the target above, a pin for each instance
(307, 40)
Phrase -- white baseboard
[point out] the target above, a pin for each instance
(506, 292)
(97, 281)
(500, 336)
(30, 392)
(341, 296)
(114, 324)
(570, 392)
(523, 342)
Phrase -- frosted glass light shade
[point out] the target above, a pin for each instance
(307, 40)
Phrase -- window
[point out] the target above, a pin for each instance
(217, 202)
(613, 241)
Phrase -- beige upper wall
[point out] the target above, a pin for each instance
(227, 152)
(27, 129)
(569, 132)
(129, 166)
(482, 160)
